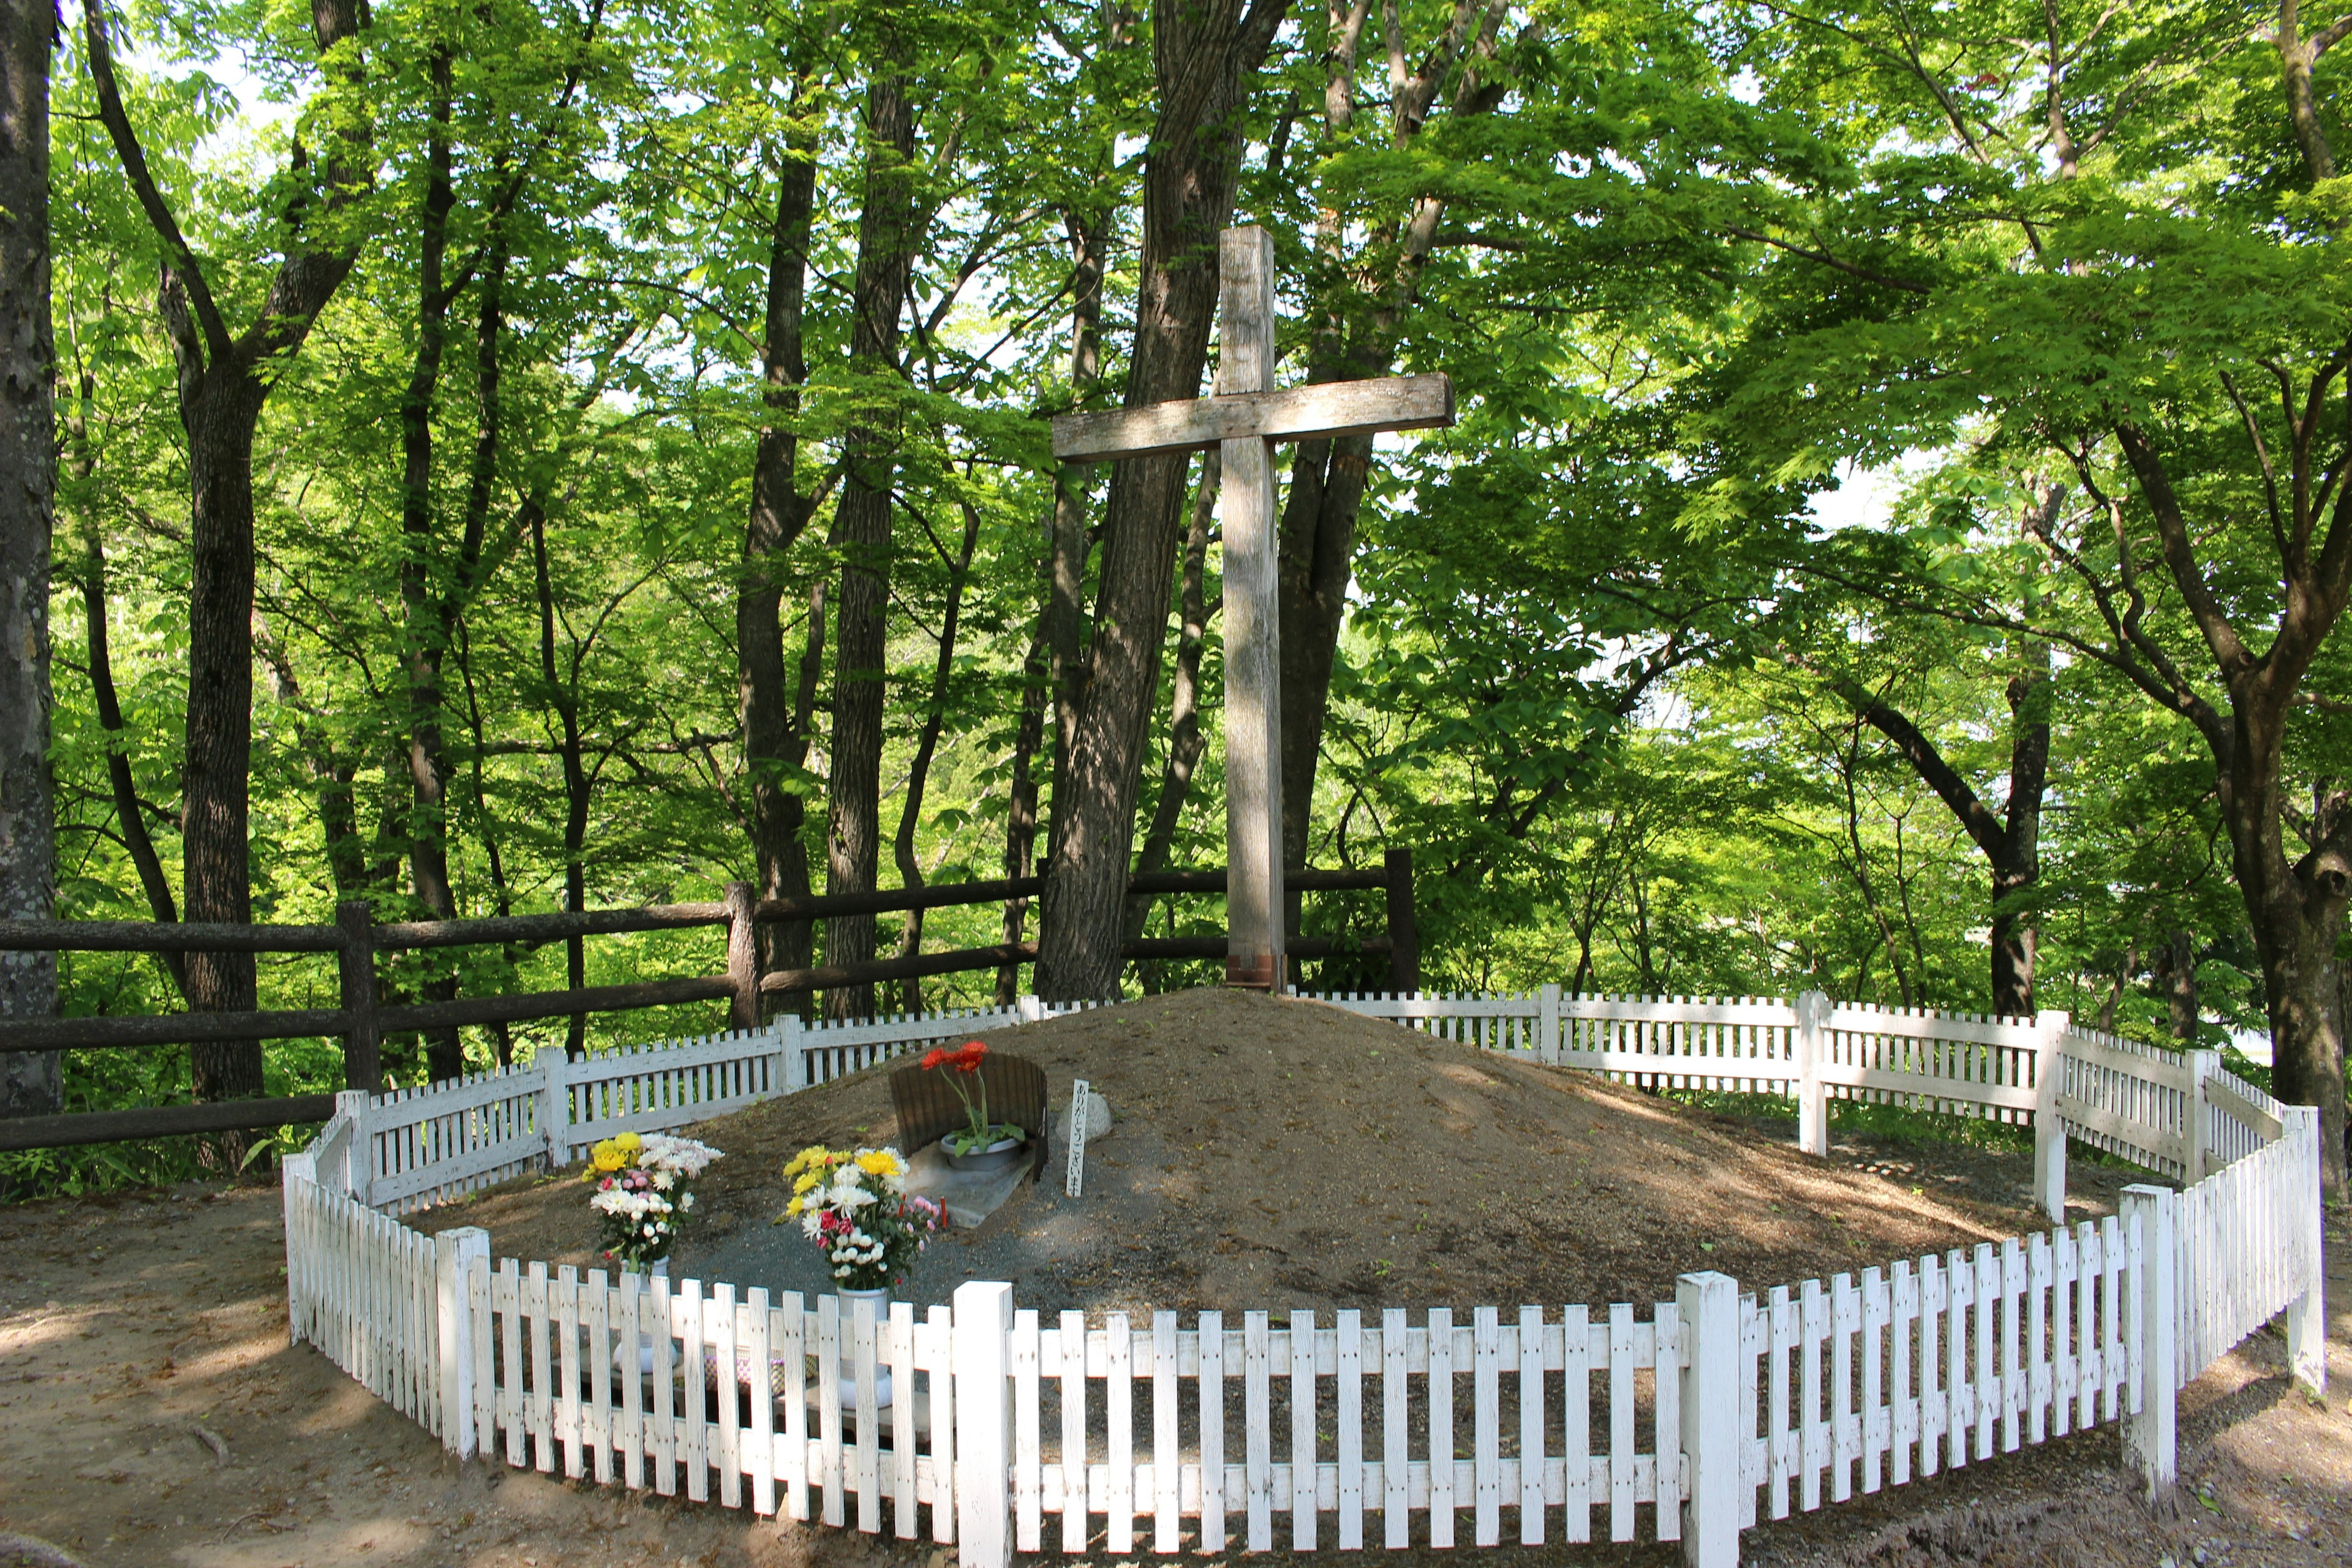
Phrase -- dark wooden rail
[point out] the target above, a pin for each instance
(161, 1122)
(356, 940)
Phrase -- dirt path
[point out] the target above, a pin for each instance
(126, 1327)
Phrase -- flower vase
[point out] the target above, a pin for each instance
(1003, 1152)
(880, 1296)
(658, 1270)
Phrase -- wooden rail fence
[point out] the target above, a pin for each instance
(363, 1020)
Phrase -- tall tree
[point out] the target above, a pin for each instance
(226, 378)
(775, 726)
(29, 1081)
(2007, 832)
(862, 520)
(2002, 270)
(1205, 57)
(1356, 331)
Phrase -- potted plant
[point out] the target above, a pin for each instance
(981, 1144)
(641, 1195)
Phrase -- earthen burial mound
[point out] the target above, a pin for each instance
(1278, 1152)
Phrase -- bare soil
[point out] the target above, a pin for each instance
(129, 1328)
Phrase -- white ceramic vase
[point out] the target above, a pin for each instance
(880, 1296)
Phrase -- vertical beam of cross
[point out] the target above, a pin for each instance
(1244, 420)
(1245, 506)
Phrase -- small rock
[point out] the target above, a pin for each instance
(1100, 1121)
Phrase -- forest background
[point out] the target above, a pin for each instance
(1893, 542)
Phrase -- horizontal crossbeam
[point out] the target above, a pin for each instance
(1292, 413)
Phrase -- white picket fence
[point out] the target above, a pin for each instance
(1692, 1417)
(413, 1148)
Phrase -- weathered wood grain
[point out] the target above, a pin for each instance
(1290, 414)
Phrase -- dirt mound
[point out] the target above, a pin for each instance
(1280, 1153)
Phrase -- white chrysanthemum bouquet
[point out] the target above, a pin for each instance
(853, 1206)
(641, 1193)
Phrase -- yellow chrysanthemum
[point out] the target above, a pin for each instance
(608, 1158)
(807, 1180)
(812, 1158)
(879, 1162)
(792, 1209)
(628, 1143)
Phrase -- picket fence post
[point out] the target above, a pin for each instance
(1712, 1421)
(555, 1110)
(2201, 1065)
(294, 1171)
(1030, 1008)
(2049, 1131)
(454, 1252)
(2306, 1315)
(790, 1029)
(1813, 1098)
(1548, 1024)
(2149, 1437)
(983, 1425)
(350, 1169)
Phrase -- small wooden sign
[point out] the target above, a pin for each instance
(1077, 1180)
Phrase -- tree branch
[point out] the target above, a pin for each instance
(1825, 259)
(181, 258)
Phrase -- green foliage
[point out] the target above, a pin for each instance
(1689, 267)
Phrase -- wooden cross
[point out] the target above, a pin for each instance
(1245, 420)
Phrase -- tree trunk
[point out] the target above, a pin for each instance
(2177, 968)
(2017, 857)
(774, 729)
(2010, 842)
(927, 745)
(563, 698)
(223, 382)
(130, 817)
(428, 774)
(1068, 545)
(861, 531)
(30, 1081)
(1021, 804)
(1318, 559)
(1184, 737)
(219, 749)
(2296, 908)
(1328, 478)
(501, 891)
(794, 941)
(1204, 57)
(2297, 914)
